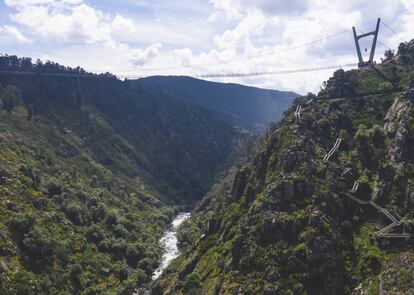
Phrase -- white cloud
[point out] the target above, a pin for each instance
(69, 20)
(249, 26)
(15, 34)
(74, 21)
(238, 8)
(142, 56)
(407, 21)
(123, 24)
(254, 35)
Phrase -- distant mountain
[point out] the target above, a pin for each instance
(252, 107)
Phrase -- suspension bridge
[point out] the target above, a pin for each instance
(120, 74)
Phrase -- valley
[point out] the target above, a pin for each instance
(171, 185)
(93, 173)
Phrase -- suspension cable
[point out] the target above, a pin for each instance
(208, 75)
(392, 31)
(259, 55)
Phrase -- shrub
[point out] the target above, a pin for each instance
(120, 231)
(111, 219)
(75, 271)
(93, 291)
(21, 223)
(25, 283)
(98, 212)
(147, 265)
(11, 97)
(118, 247)
(192, 282)
(133, 255)
(362, 136)
(54, 189)
(389, 54)
(409, 225)
(3, 175)
(104, 245)
(188, 233)
(377, 136)
(95, 234)
(385, 87)
(364, 190)
(77, 213)
(123, 273)
(38, 244)
(142, 277)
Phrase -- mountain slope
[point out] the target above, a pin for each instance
(251, 107)
(91, 172)
(172, 144)
(290, 224)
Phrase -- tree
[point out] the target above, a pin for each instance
(386, 87)
(38, 244)
(362, 136)
(120, 231)
(77, 213)
(21, 223)
(95, 234)
(389, 54)
(11, 97)
(342, 84)
(192, 284)
(29, 109)
(75, 271)
(133, 255)
(364, 190)
(3, 175)
(402, 48)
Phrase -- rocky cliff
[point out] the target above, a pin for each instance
(324, 205)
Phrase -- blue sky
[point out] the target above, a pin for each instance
(194, 37)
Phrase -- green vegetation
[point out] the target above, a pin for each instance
(91, 173)
(285, 225)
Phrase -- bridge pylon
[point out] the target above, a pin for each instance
(374, 33)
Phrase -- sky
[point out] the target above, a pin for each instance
(183, 37)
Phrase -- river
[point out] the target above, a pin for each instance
(169, 244)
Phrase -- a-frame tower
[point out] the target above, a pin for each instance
(361, 62)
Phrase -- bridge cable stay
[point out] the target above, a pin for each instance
(392, 31)
(378, 41)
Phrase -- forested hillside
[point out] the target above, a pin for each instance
(91, 173)
(251, 107)
(307, 216)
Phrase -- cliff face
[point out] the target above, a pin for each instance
(325, 204)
